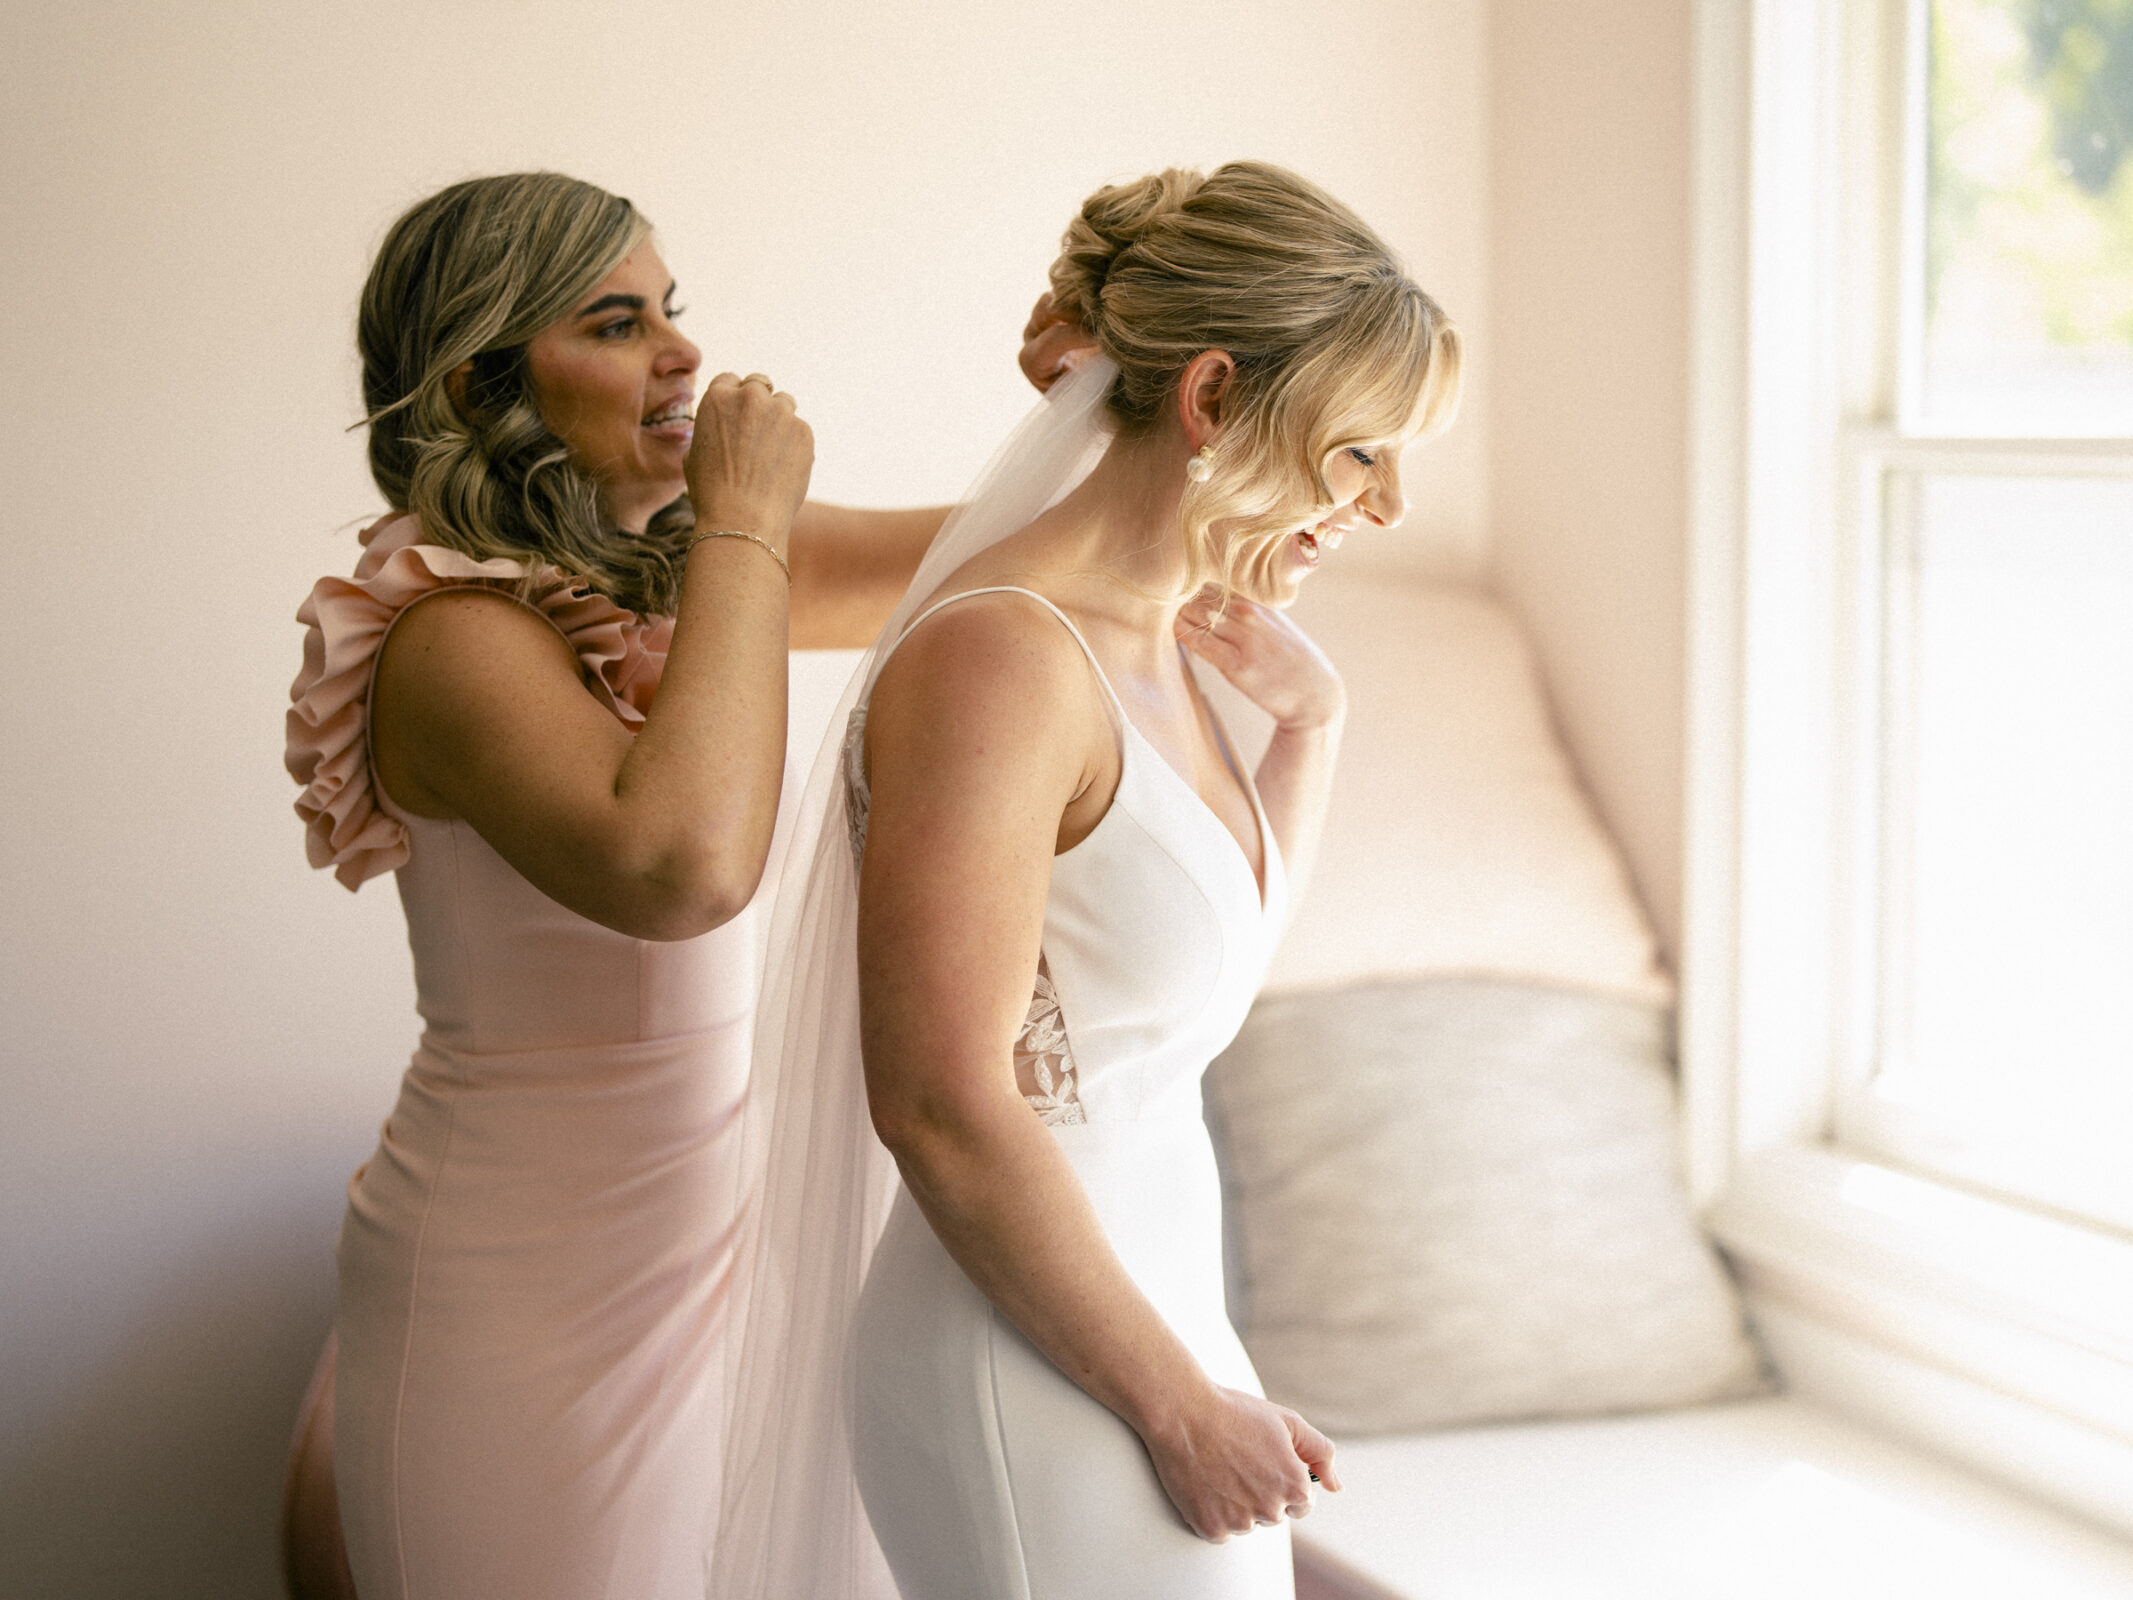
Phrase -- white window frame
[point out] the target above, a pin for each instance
(1992, 1330)
(1879, 477)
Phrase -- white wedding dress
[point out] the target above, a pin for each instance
(986, 1474)
(863, 1352)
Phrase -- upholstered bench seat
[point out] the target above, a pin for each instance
(1761, 1498)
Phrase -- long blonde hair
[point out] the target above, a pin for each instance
(1334, 344)
(471, 274)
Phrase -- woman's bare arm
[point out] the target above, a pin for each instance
(985, 736)
(479, 711)
(849, 568)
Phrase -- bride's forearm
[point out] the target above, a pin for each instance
(1009, 1208)
(1295, 783)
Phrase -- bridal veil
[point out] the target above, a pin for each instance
(790, 1525)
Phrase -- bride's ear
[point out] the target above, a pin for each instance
(1202, 388)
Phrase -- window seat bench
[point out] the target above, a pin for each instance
(1770, 1497)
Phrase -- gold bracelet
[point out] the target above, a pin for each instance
(735, 533)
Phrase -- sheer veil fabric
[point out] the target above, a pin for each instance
(790, 1525)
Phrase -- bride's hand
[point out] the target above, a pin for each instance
(1234, 1462)
(1051, 344)
(1273, 663)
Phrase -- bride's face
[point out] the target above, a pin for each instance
(1365, 481)
(615, 380)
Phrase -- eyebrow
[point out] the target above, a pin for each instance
(630, 302)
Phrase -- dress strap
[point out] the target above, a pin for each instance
(1118, 710)
(858, 792)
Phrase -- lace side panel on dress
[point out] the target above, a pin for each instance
(1044, 1058)
(857, 799)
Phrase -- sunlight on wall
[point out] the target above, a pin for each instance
(1588, 408)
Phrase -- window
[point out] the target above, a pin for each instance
(2020, 291)
(1907, 1028)
(1995, 677)
(2003, 1053)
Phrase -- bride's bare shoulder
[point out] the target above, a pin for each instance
(997, 653)
(989, 702)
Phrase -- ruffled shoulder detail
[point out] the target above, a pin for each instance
(345, 620)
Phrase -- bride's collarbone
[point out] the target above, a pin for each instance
(1163, 704)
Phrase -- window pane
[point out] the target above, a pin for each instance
(2028, 251)
(2012, 821)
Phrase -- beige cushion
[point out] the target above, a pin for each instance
(1459, 839)
(1455, 1200)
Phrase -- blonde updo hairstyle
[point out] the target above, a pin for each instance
(1335, 346)
(471, 275)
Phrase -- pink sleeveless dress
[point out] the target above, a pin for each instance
(535, 1264)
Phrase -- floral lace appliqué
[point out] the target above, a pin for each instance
(1044, 1057)
(857, 797)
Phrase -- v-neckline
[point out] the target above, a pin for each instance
(1261, 880)
(1269, 851)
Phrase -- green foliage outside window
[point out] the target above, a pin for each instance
(2029, 242)
(2081, 58)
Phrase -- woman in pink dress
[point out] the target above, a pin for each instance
(535, 1263)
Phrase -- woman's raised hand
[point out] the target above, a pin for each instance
(1233, 1462)
(751, 458)
(1051, 344)
(1273, 663)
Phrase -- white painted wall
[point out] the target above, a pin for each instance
(197, 1035)
(1586, 415)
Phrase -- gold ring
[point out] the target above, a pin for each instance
(757, 377)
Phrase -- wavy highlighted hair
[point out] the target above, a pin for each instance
(1334, 344)
(471, 274)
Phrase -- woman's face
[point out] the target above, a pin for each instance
(616, 382)
(1365, 482)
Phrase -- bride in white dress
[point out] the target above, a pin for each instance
(1064, 891)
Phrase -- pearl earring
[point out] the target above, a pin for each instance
(1202, 466)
